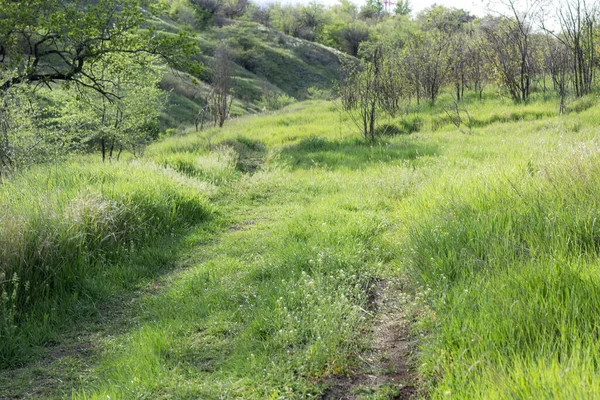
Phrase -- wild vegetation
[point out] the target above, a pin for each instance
(245, 259)
(289, 222)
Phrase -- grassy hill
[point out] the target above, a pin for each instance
(242, 263)
(265, 61)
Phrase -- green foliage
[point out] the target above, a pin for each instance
(48, 41)
(403, 7)
(373, 9)
(126, 122)
(273, 101)
(99, 55)
(27, 134)
(314, 93)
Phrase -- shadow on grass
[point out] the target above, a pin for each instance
(66, 356)
(251, 153)
(316, 152)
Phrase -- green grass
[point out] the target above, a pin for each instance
(78, 230)
(497, 231)
(514, 275)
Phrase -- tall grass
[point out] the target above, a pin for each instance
(512, 264)
(497, 229)
(61, 227)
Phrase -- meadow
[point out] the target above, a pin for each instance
(242, 262)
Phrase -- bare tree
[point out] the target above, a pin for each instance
(392, 85)
(477, 68)
(577, 19)
(205, 114)
(262, 13)
(508, 49)
(435, 63)
(459, 117)
(412, 67)
(359, 94)
(557, 60)
(441, 49)
(221, 87)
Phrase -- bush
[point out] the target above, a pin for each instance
(314, 93)
(387, 130)
(272, 101)
(406, 127)
(581, 104)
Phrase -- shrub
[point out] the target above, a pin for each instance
(314, 93)
(273, 101)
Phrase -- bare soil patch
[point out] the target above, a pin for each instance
(388, 367)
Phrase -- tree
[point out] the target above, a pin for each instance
(261, 13)
(444, 19)
(234, 8)
(206, 11)
(342, 29)
(24, 139)
(221, 86)
(213, 11)
(358, 96)
(403, 7)
(311, 20)
(476, 66)
(371, 88)
(373, 9)
(557, 60)
(127, 122)
(354, 34)
(578, 33)
(442, 48)
(429, 62)
(81, 47)
(508, 49)
(217, 104)
(285, 19)
(48, 41)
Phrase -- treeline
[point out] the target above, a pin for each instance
(523, 46)
(520, 46)
(343, 26)
(520, 50)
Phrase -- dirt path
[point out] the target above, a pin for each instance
(388, 368)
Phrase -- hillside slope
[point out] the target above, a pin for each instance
(265, 61)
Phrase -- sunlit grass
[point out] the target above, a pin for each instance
(62, 227)
(495, 227)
